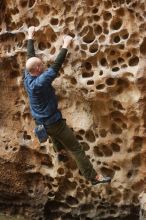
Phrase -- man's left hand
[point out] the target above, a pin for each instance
(67, 41)
(31, 31)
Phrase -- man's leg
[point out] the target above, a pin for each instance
(59, 149)
(57, 145)
(64, 134)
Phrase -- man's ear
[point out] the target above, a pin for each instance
(37, 68)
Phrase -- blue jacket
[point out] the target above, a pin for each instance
(42, 98)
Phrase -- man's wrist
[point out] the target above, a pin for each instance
(65, 45)
(30, 37)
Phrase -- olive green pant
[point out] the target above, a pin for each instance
(64, 138)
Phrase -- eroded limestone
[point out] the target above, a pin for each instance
(101, 91)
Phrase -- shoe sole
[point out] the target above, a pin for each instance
(102, 181)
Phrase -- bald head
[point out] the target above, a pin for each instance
(34, 65)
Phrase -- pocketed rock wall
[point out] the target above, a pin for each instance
(142, 206)
(102, 94)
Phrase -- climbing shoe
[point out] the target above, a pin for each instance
(100, 179)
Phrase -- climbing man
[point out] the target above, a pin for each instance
(44, 108)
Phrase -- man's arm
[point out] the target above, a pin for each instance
(61, 56)
(30, 44)
(49, 75)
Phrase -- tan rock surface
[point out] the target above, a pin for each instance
(102, 94)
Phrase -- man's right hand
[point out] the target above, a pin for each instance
(67, 39)
(31, 31)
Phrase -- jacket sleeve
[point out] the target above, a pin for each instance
(50, 74)
(59, 60)
(46, 78)
(30, 48)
